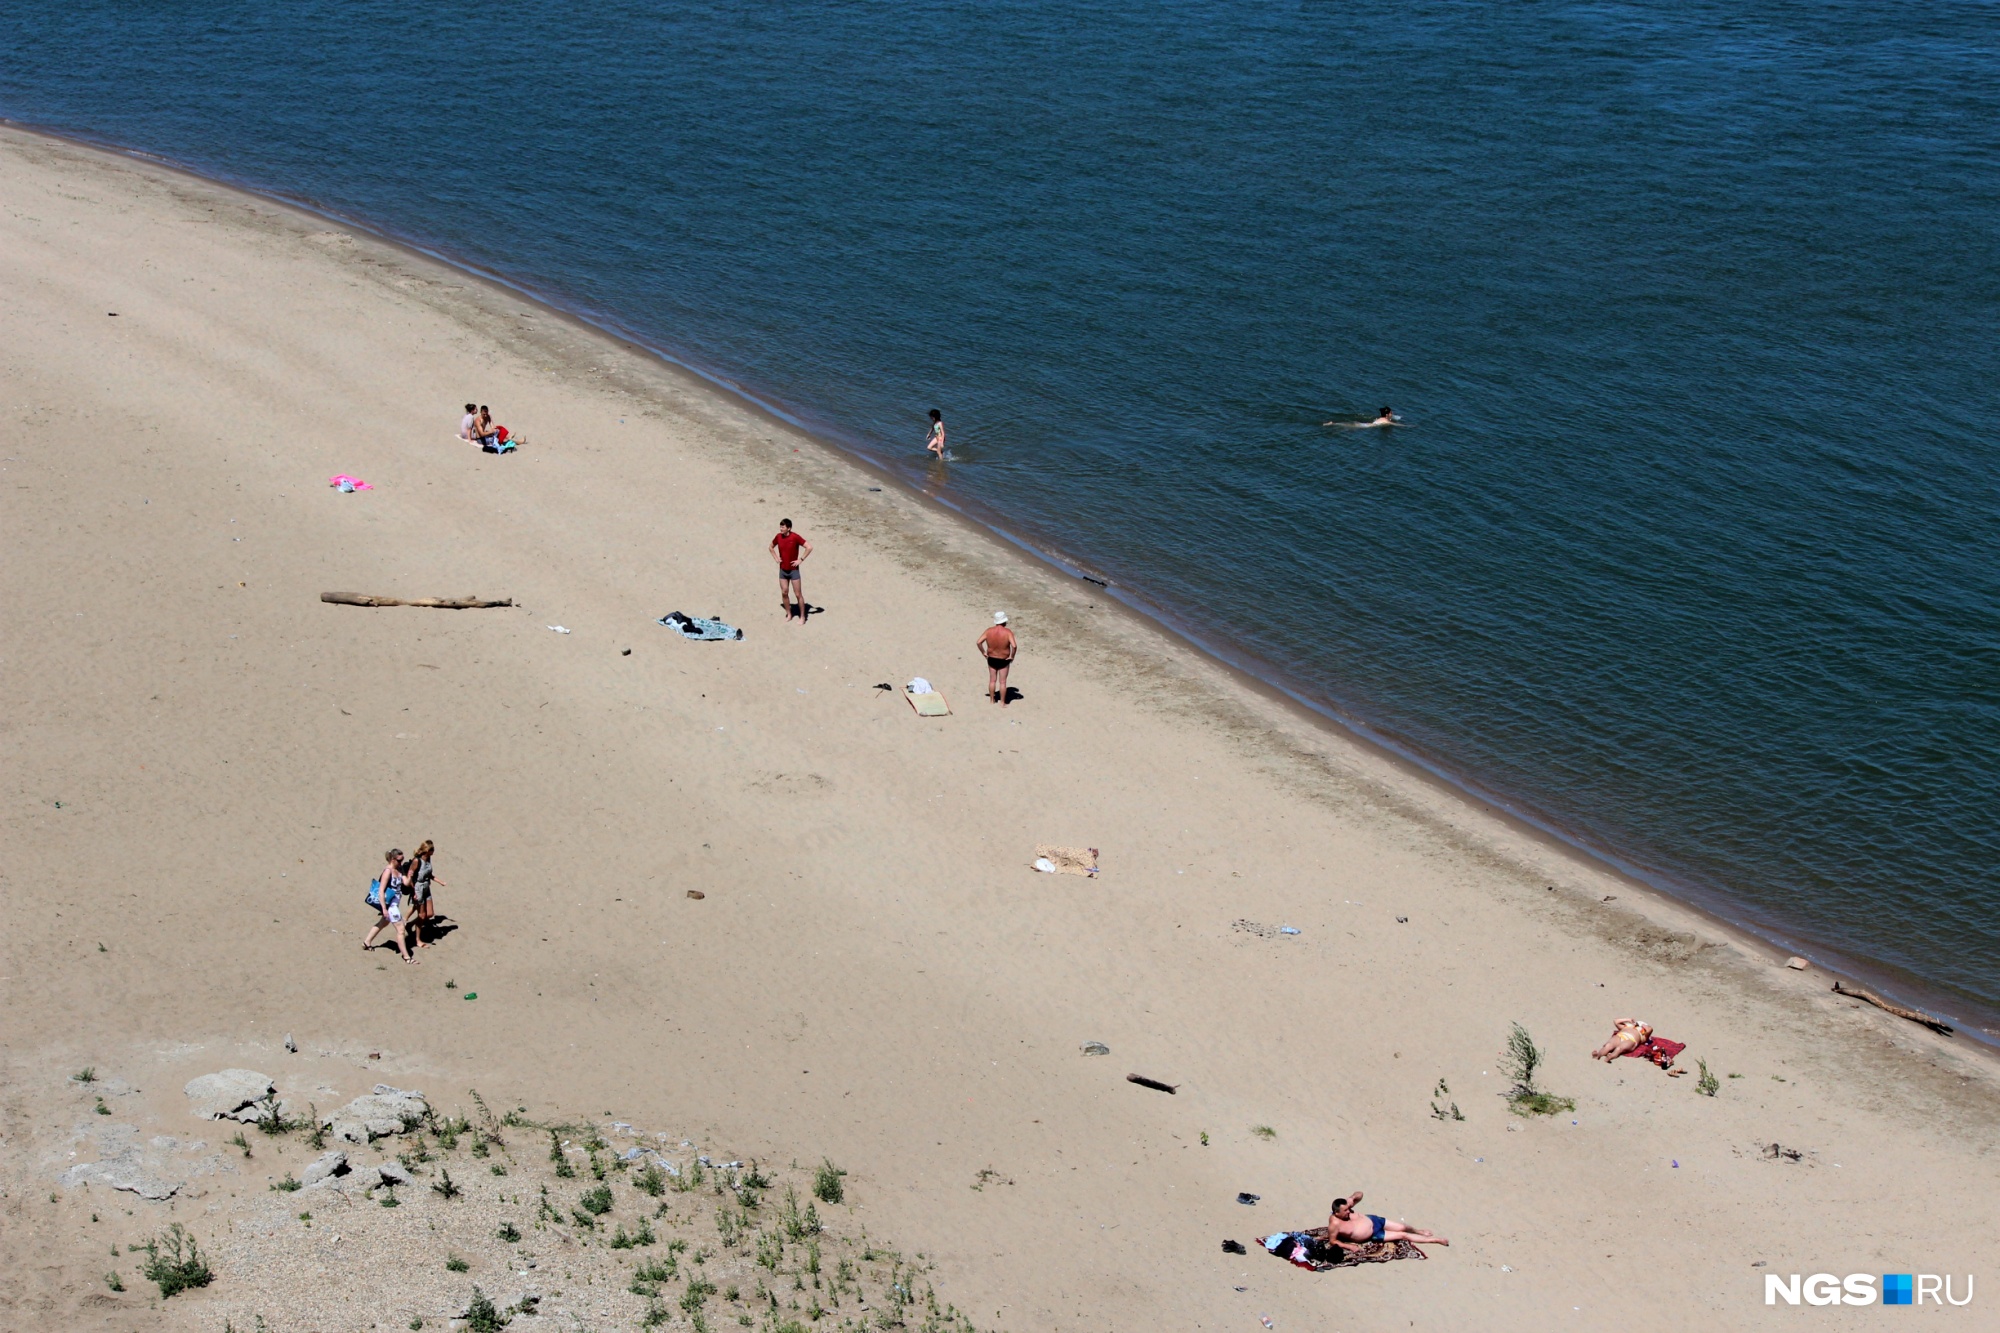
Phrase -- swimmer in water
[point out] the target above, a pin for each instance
(936, 442)
(1387, 418)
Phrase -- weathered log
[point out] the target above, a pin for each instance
(469, 602)
(1898, 1010)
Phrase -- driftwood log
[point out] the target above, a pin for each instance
(470, 602)
(1896, 1009)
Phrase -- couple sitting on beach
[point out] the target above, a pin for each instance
(479, 428)
(401, 897)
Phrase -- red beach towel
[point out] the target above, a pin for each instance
(1660, 1050)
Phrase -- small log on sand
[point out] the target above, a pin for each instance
(1896, 1009)
(470, 602)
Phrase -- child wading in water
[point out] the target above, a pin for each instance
(390, 893)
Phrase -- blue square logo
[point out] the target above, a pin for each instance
(1895, 1289)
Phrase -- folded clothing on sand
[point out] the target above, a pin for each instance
(1660, 1050)
(694, 627)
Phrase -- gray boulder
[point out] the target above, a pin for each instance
(123, 1172)
(379, 1114)
(213, 1096)
(325, 1167)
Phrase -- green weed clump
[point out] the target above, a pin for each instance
(1522, 1059)
(559, 1157)
(1708, 1084)
(651, 1181)
(444, 1185)
(482, 1316)
(509, 1232)
(455, 1264)
(828, 1186)
(174, 1263)
(798, 1225)
(597, 1201)
(646, 1279)
(643, 1236)
(289, 1185)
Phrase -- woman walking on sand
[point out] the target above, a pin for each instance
(394, 904)
(421, 879)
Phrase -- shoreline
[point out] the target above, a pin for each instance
(209, 760)
(1978, 1022)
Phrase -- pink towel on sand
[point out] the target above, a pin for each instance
(355, 482)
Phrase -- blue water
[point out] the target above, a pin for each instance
(1689, 544)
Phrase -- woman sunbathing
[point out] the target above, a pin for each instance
(1627, 1035)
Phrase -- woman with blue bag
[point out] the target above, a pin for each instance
(388, 895)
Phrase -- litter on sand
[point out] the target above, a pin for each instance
(559, 629)
(710, 630)
(347, 485)
(918, 685)
(1096, 1048)
(928, 703)
(1170, 1089)
(469, 602)
(1053, 860)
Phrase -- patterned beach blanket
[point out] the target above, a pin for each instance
(695, 627)
(1309, 1249)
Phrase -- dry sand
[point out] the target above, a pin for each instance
(203, 764)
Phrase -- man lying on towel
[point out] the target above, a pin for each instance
(1350, 1230)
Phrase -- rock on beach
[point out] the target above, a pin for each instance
(377, 1115)
(220, 1096)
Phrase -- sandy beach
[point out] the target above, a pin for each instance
(204, 763)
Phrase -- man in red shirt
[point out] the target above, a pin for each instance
(790, 550)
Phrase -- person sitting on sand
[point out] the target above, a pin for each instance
(1350, 1230)
(394, 907)
(485, 432)
(465, 427)
(1627, 1034)
(999, 645)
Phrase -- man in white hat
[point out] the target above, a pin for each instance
(999, 646)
